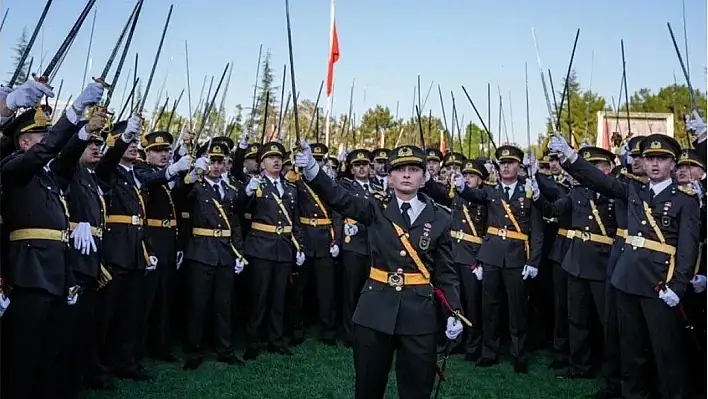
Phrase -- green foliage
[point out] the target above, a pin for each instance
(266, 87)
(19, 49)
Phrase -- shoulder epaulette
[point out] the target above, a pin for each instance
(687, 190)
(629, 175)
(346, 179)
(545, 172)
(490, 183)
(229, 185)
(292, 177)
(443, 207)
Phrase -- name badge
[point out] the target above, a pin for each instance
(424, 242)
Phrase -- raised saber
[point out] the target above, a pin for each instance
(30, 43)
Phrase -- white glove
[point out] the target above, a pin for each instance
(478, 272)
(529, 271)
(243, 143)
(202, 163)
(4, 91)
(83, 240)
(299, 258)
(699, 283)
(72, 299)
(28, 95)
(454, 328)
(305, 161)
(180, 166)
(698, 189)
(460, 182)
(238, 266)
(669, 297)
(253, 185)
(4, 304)
(92, 94)
(334, 250)
(350, 229)
(697, 125)
(558, 145)
(180, 258)
(342, 156)
(153, 263)
(535, 191)
(131, 131)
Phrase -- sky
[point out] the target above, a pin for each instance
(384, 45)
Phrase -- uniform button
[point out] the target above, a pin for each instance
(506, 216)
(315, 215)
(587, 228)
(590, 217)
(398, 288)
(644, 222)
(402, 253)
(639, 234)
(370, 288)
(666, 263)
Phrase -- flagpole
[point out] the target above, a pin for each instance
(330, 95)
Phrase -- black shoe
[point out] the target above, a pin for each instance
(521, 367)
(102, 383)
(472, 357)
(486, 362)
(192, 363)
(230, 359)
(570, 373)
(296, 341)
(251, 354)
(281, 350)
(329, 341)
(137, 374)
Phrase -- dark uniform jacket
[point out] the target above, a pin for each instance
(34, 198)
(640, 270)
(592, 216)
(265, 210)
(468, 222)
(206, 214)
(313, 212)
(358, 243)
(508, 253)
(556, 245)
(411, 310)
(126, 245)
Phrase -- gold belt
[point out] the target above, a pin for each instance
(314, 222)
(622, 233)
(461, 235)
(166, 223)
(95, 231)
(40, 234)
(504, 234)
(268, 228)
(641, 242)
(397, 279)
(586, 236)
(125, 219)
(198, 231)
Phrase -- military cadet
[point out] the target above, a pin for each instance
(591, 234)
(411, 251)
(355, 244)
(433, 160)
(213, 252)
(553, 185)
(379, 157)
(39, 280)
(160, 178)
(453, 162)
(273, 243)
(510, 254)
(468, 226)
(127, 255)
(655, 266)
(287, 164)
(321, 246)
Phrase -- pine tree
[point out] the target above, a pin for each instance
(19, 49)
(266, 87)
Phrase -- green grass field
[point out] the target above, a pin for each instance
(318, 371)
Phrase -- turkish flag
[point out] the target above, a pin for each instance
(333, 53)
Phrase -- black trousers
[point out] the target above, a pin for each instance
(78, 353)
(118, 319)
(356, 272)
(323, 271)
(648, 326)
(560, 312)
(415, 363)
(471, 293)
(209, 282)
(611, 368)
(516, 290)
(269, 282)
(31, 345)
(582, 294)
(158, 289)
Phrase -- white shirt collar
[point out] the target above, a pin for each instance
(212, 182)
(363, 182)
(659, 187)
(417, 207)
(272, 180)
(127, 168)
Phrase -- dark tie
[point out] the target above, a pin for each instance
(366, 188)
(215, 186)
(651, 196)
(404, 213)
(506, 191)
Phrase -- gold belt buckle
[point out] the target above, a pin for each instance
(585, 236)
(313, 222)
(502, 233)
(99, 232)
(65, 236)
(396, 279)
(218, 233)
(135, 220)
(571, 234)
(279, 230)
(166, 223)
(637, 242)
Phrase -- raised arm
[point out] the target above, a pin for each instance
(553, 209)
(65, 164)
(437, 192)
